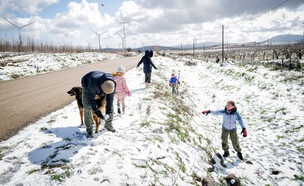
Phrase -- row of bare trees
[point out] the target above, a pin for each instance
(259, 54)
(9, 45)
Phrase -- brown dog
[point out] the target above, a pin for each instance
(101, 102)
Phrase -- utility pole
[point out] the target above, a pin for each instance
(194, 39)
(222, 43)
(181, 48)
(20, 40)
(303, 34)
(98, 34)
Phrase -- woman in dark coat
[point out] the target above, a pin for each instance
(148, 64)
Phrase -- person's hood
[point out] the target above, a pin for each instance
(231, 111)
(147, 53)
(151, 53)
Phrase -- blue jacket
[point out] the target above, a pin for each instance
(229, 119)
(92, 82)
(173, 80)
(146, 59)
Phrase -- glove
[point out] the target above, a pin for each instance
(99, 114)
(244, 132)
(170, 84)
(107, 117)
(178, 82)
(206, 112)
(129, 93)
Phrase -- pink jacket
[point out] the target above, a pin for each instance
(122, 89)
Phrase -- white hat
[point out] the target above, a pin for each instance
(121, 69)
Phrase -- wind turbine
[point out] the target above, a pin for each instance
(98, 34)
(19, 29)
(123, 43)
(89, 43)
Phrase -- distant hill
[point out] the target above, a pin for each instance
(284, 39)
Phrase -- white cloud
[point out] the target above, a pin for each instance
(25, 6)
(166, 22)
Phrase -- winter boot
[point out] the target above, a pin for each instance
(110, 128)
(239, 154)
(118, 111)
(90, 134)
(226, 154)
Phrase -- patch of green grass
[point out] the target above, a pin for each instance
(263, 112)
(67, 139)
(64, 160)
(15, 76)
(301, 140)
(64, 117)
(61, 177)
(33, 171)
(162, 108)
(145, 124)
(298, 178)
(105, 180)
(296, 129)
(300, 149)
(159, 139)
(281, 137)
(140, 166)
(116, 152)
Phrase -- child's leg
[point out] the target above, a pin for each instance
(224, 137)
(118, 105)
(173, 87)
(123, 104)
(235, 140)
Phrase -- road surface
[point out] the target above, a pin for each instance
(26, 100)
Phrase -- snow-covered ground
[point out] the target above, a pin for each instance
(164, 138)
(34, 64)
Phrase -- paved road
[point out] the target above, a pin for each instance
(24, 101)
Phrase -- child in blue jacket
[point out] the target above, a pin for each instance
(230, 116)
(173, 82)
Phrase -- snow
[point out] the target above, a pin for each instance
(46, 62)
(164, 138)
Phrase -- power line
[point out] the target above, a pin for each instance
(270, 9)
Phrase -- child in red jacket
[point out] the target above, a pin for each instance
(122, 89)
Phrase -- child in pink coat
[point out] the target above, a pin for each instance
(122, 89)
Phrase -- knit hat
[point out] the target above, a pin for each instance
(108, 87)
(121, 69)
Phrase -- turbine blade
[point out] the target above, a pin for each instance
(11, 23)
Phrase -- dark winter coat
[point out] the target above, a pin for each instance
(229, 118)
(148, 64)
(92, 82)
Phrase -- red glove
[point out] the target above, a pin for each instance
(129, 93)
(169, 84)
(206, 112)
(244, 132)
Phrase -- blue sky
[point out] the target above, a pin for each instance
(162, 22)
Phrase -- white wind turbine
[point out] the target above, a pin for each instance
(98, 34)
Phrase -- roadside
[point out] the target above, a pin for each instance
(24, 101)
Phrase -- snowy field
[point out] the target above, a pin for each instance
(34, 64)
(163, 139)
